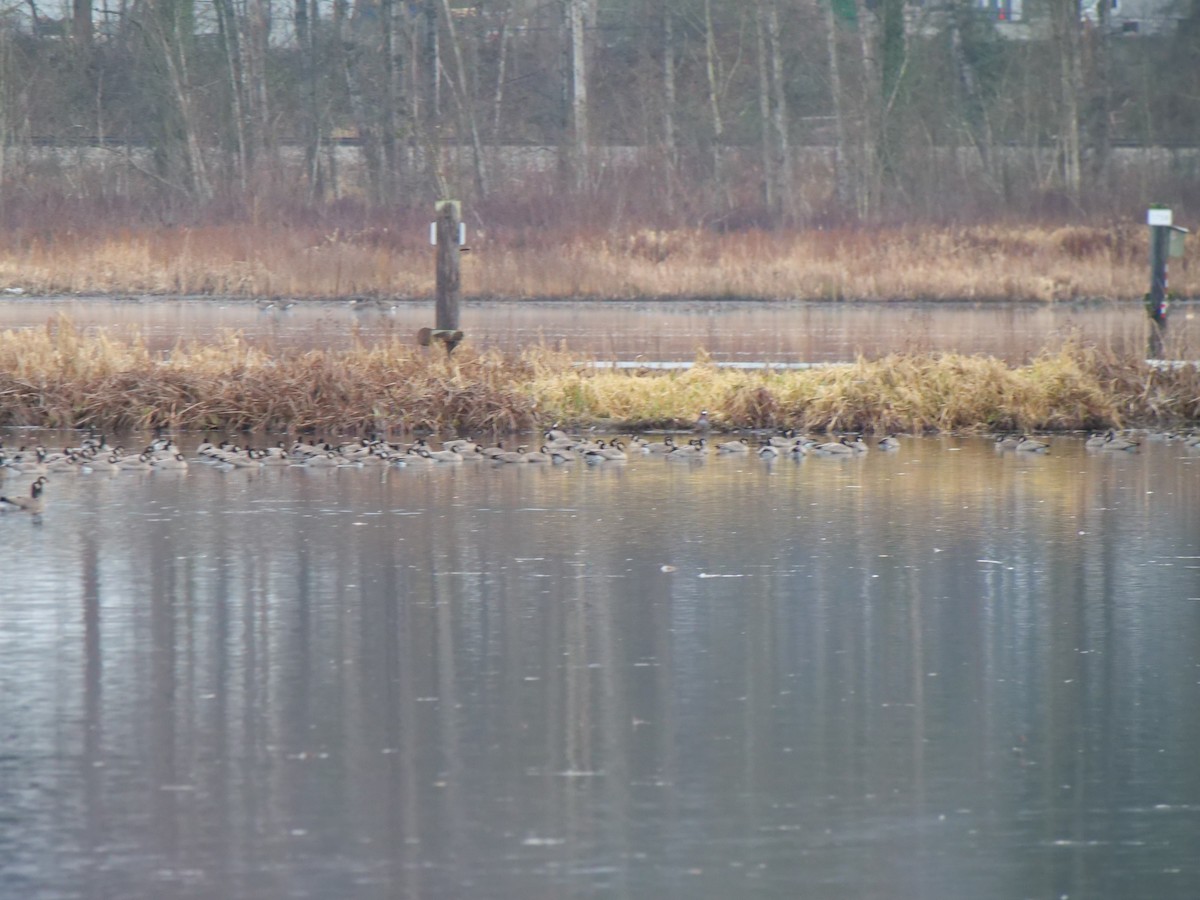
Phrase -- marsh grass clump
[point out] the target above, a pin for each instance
(59, 376)
(1072, 389)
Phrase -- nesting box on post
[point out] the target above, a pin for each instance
(1166, 241)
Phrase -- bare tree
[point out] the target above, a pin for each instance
(1064, 22)
(82, 26)
(841, 163)
(712, 69)
(169, 29)
(464, 100)
(576, 16)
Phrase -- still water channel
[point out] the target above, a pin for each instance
(627, 331)
(943, 672)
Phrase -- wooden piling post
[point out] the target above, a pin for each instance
(449, 278)
(447, 238)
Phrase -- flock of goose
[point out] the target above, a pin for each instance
(557, 448)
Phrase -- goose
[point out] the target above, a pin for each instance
(891, 442)
(139, 463)
(833, 448)
(239, 459)
(493, 452)
(276, 456)
(770, 451)
(614, 452)
(175, 463)
(1007, 441)
(538, 456)
(1096, 440)
(697, 448)
(1116, 442)
(71, 462)
(95, 441)
(702, 422)
(302, 448)
(561, 456)
(1027, 444)
(418, 456)
(442, 456)
(34, 503)
(801, 447)
(666, 445)
(563, 443)
(356, 452)
(109, 463)
(784, 439)
(858, 445)
(1163, 436)
(35, 465)
(326, 460)
(737, 446)
(509, 456)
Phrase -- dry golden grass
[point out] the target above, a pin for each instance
(978, 263)
(60, 377)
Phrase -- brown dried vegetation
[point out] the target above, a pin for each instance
(60, 377)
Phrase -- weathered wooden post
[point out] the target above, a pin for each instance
(447, 236)
(1166, 240)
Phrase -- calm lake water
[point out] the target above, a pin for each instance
(626, 331)
(944, 672)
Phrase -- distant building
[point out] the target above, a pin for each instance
(1125, 17)
(1140, 17)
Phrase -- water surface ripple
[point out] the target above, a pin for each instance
(939, 673)
(726, 331)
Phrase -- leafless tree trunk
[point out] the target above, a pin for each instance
(1098, 129)
(670, 149)
(841, 173)
(81, 24)
(784, 170)
(870, 126)
(779, 184)
(712, 71)
(764, 110)
(310, 112)
(1065, 25)
(501, 67)
(668, 80)
(228, 28)
(976, 118)
(169, 29)
(254, 75)
(433, 64)
(466, 106)
(580, 150)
